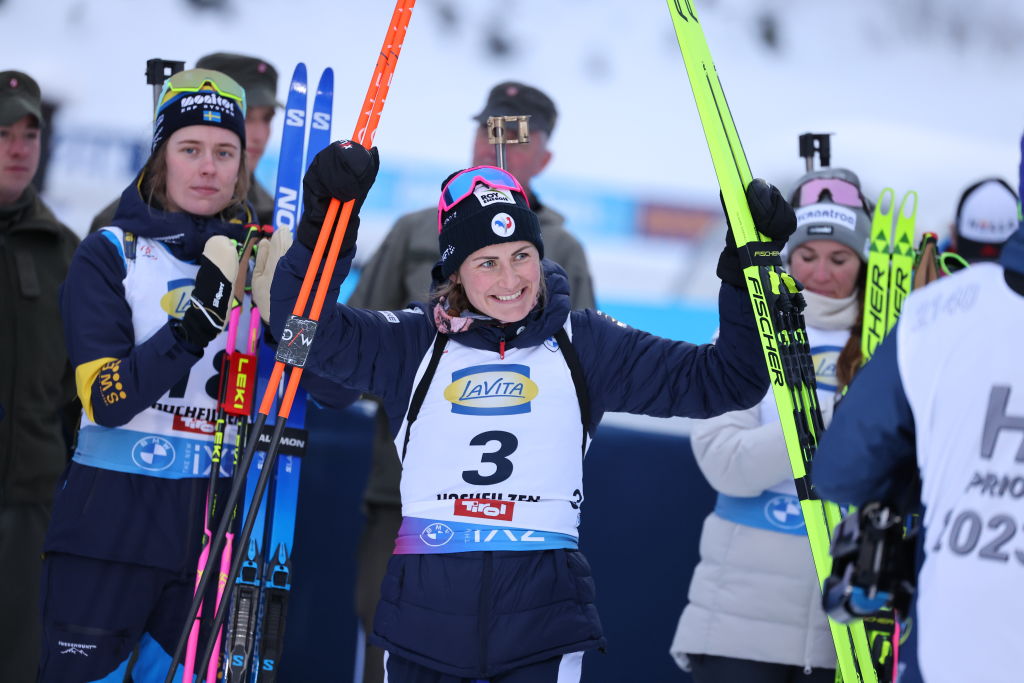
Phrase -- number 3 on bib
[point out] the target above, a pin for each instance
(507, 445)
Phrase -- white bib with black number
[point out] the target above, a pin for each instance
(173, 437)
(494, 459)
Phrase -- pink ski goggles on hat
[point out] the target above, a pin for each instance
(842, 192)
(461, 186)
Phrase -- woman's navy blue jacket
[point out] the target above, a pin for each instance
(478, 614)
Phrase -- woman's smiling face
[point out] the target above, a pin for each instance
(502, 280)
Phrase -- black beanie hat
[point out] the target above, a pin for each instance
(486, 216)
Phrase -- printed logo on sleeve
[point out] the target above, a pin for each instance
(111, 386)
(390, 317)
(487, 509)
(496, 389)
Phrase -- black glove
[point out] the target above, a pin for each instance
(344, 170)
(773, 218)
(211, 297)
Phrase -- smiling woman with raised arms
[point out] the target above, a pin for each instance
(493, 390)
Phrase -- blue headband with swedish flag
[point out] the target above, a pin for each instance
(199, 97)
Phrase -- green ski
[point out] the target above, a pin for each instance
(876, 290)
(890, 267)
(903, 257)
(778, 307)
(891, 262)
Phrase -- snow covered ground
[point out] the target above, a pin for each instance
(921, 94)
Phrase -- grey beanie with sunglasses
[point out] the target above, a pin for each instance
(829, 205)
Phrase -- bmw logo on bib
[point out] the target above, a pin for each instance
(784, 512)
(153, 453)
(437, 534)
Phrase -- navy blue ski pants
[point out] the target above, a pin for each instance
(565, 668)
(96, 612)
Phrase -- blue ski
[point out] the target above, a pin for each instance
(284, 492)
(320, 122)
(278, 533)
(247, 607)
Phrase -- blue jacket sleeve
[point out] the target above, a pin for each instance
(116, 378)
(868, 452)
(353, 349)
(631, 371)
(328, 394)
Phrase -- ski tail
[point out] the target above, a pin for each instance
(320, 121)
(275, 610)
(288, 192)
(244, 612)
(876, 289)
(903, 255)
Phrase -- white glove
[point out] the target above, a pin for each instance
(267, 256)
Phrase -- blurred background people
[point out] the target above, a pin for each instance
(36, 383)
(986, 216)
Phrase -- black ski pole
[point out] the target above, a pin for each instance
(217, 544)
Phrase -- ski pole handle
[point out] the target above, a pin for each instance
(365, 130)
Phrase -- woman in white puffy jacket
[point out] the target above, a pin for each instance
(754, 611)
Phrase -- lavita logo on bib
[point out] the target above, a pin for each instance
(825, 360)
(498, 389)
(175, 301)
